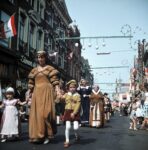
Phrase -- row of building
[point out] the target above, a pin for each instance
(138, 75)
(41, 25)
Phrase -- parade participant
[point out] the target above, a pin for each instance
(96, 118)
(142, 97)
(145, 110)
(133, 117)
(84, 90)
(10, 118)
(58, 110)
(139, 111)
(107, 107)
(62, 106)
(44, 82)
(28, 97)
(72, 111)
(22, 114)
(123, 109)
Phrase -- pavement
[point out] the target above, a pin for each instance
(114, 136)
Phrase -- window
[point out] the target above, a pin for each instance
(55, 24)
(21, 32)
(50, 19)
(39, 40)
(22, 25)
(124, 97)
(32, 40)
(61, 33)
(49, 44)
(38, 5)
(4, 18)
(61, 61)
(32, 3)
(11, 1)
(40, 9)
(32, 27)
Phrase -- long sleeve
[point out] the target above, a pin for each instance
(53, 75)
(73, 102)
(31, 77)
(91, 96)
(67, 99)
(77, 105)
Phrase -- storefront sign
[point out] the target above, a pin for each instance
(28, 62)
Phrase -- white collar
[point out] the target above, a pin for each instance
(96, 92)
(69, 93)
(85, 87)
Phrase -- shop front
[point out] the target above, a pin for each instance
(8, 69)
(24, 67)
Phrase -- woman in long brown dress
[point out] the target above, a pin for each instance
(45, 83)
(96, 118)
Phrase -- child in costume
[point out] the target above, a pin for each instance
(107, 107)
(133, 117)
(60, 107)
(84, 90)
(72, 111)
(10, 121)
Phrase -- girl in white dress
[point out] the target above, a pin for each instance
(133, 117)
(9, 124)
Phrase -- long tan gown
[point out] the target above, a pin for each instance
(96, 117)
(42, 114)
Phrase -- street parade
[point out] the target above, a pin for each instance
(58, 90)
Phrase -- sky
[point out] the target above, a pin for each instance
(110, 18)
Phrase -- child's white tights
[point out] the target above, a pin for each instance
(68, 127)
